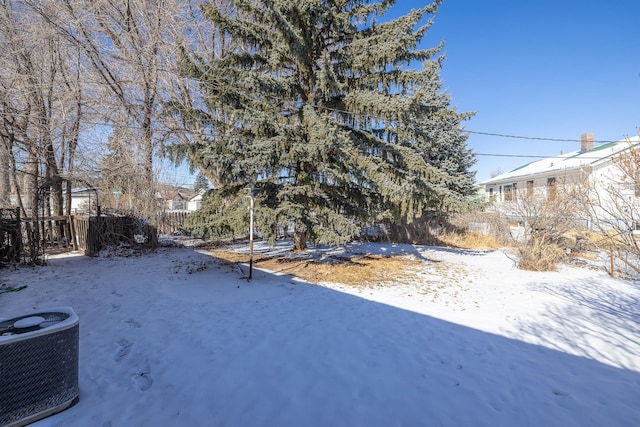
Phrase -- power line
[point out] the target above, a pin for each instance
(535, 138)
(537, 156)
(110, 124)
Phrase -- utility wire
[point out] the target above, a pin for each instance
(109, 124)
(533, 137)
(537, 156)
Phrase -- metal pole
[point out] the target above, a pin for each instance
(251, 234)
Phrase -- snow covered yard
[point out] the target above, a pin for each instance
(178, 338)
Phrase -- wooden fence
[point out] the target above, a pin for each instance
(171, 222)
(10, 236)
(88, 235)
(29, 239)
(96, 232)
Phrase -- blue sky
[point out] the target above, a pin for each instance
(552, 69)
(544, 68)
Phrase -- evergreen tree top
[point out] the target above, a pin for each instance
(319, 105)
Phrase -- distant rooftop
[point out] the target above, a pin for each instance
(568, 161)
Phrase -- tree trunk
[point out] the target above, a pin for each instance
(5, 185)
(299, 241)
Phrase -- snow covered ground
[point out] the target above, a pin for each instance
(177, 338)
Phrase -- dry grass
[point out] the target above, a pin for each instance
(470, 240)
(356, 270)
(367, 270)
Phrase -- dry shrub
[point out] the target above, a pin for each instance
(540, 255)
(549, 224)
(367, 270)
(580, 241)
(602, 240)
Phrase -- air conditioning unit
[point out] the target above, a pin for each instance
(38, 365)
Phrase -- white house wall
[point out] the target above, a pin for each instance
(508, 202)
(615, 201)
(193, 205)
(612, 197)
(499, 192)
(592, 167)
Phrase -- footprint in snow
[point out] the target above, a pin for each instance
(560, 393)
(133, 323)
(142, 379)
(114, 308)
(124, 347)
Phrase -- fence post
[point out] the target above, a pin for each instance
(74, 232)
(611, 261)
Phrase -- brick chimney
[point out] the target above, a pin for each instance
(586, 142)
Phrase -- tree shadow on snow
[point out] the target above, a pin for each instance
(287, 353)
(594, 317)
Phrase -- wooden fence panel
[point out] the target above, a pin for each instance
(10, 236)
(93, 233)
(171, 222)
(54, 232)
(87, 234)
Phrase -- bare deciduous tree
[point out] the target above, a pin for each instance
(134, 50)
(548, 217)
(72, 72)
(613, 204)
(41, 105)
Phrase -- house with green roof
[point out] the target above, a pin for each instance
(591, 166)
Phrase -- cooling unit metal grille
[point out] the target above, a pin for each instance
(38, 365)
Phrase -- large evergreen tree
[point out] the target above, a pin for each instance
(322, 113)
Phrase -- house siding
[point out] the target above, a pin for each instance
(592, 169)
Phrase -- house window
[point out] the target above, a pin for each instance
(508, 193)
(551, 188)
(529, 188)
(492, 196)
(515, 191)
